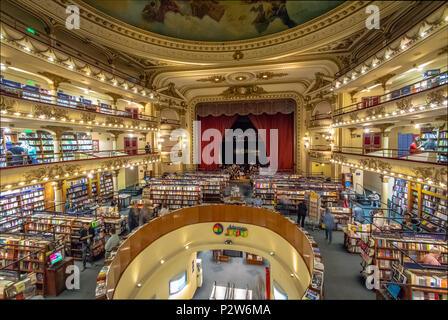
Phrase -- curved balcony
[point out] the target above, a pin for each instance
(319, 121)
(21, 96)
(135, 271)
(19, 170)
(424, 156)
(419, 93)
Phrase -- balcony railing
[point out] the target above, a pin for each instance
(22, 160)
(414, 88)
(427, 156)
(319, 120)
(63, 102)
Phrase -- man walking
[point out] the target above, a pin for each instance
(328, 221)
(85, 238)
(301, 214)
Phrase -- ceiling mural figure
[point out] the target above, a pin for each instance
(214, 20)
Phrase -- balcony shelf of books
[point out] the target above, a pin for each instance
(315, 291)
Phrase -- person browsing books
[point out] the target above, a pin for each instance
(164, 210)
(358, 214)
(85, 238)
(432, 257)
(258, 202)
(112, 242)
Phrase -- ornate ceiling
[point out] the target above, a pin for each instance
(217, 20)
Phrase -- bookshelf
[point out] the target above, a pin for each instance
(175, 193)
(76, 142)
(353, 234)
(400, 196)
(77, 191)
(266, 191)
(19, 203)
(384, 249)
(341, 217)
(433, 208)
(425, 285)
(41, 141)
(289, 199)
(69, 227)
(414, 199)
(27, 254)
(442, 146)
(106, 187)
(315, 291)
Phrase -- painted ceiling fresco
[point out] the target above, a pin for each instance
(213, 20)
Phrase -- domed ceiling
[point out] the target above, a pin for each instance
(213, 20)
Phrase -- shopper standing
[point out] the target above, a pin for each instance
(301, 214)
(145, 214)
(133, 216)
(328, 221)
(358, 214)
(147, 148)
(112, 242)
(164, 210)
(85, 244)
(432, 257)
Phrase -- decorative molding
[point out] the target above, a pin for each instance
(88, 116)
(7, 103)
(114, 121)
(437, 175)
(243, 91)
(115, 133)
(404, 104)
(58, 130)
(375, 164)
(50, 171)
(269, 75)
(57, 80)
(383, 80)
(115, 163)
(435, 97)
(213, 79)
(238, 55)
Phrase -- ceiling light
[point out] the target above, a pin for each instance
(27, 48)
(162, 261)
(139, 285)
(70, 67)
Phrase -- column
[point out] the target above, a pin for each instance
(115, 180)
(57, 142)
(59, 206)
(384, 191)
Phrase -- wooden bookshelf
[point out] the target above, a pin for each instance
(383, 250)
(175, 194)
(26, 255)
(19, 203)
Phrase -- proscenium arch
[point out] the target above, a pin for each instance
(299, 118)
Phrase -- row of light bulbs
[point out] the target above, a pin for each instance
(43, 117)
(89, 174)
(387, 55)
(392, 114)
(388, 174)
(125, 85)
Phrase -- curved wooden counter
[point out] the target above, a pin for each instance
(161, 226)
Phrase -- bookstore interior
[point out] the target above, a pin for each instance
(220, 150)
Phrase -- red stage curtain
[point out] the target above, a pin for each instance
(285, 125)
(220, 123)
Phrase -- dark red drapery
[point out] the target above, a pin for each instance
(220, 123)
(285, 125)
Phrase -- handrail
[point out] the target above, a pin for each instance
(26, 160)
(426, 156)
(17, 93)
(150, 232)
(387, 97)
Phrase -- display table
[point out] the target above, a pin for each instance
(56, 277)
(124, 200)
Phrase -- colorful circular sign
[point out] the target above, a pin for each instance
(218, 228)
